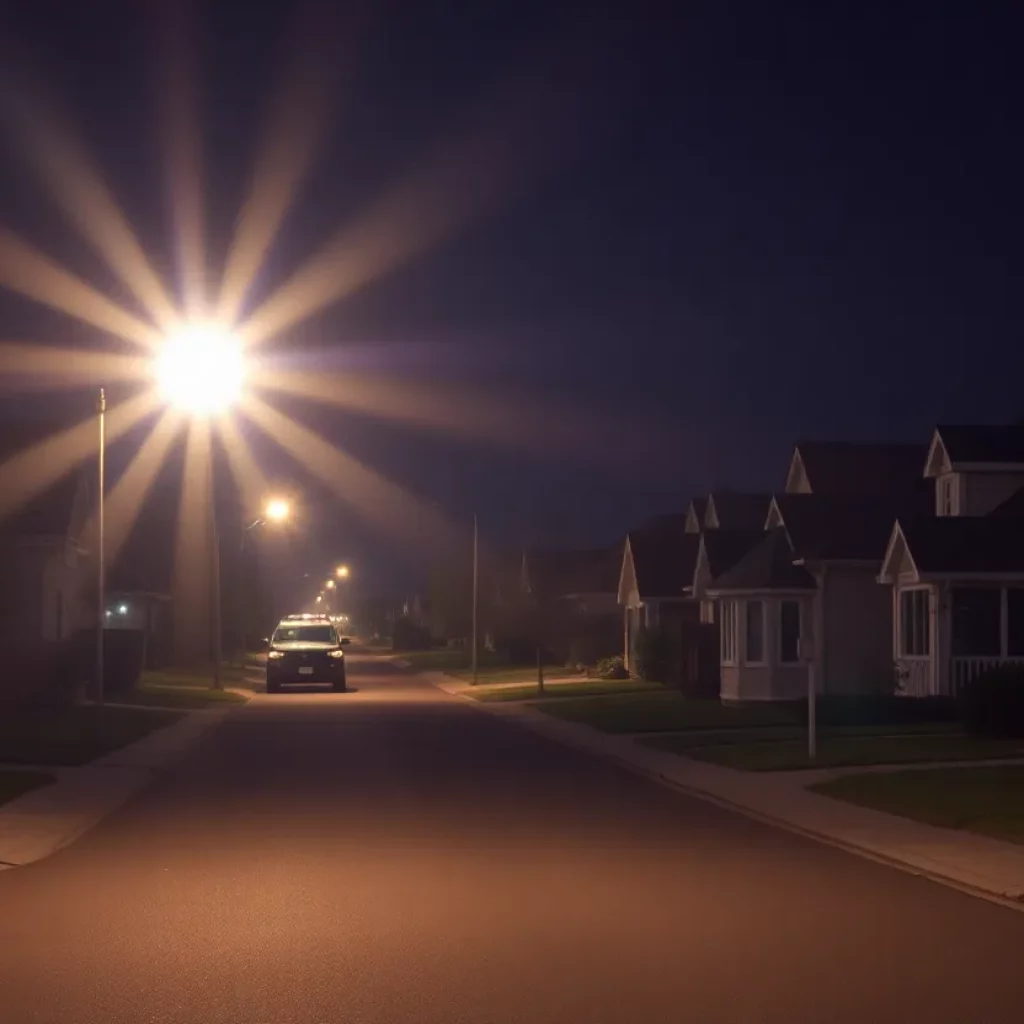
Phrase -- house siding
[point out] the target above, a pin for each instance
(858, 630)
(763, 682)
(980, 493)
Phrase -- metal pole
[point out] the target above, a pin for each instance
(101, 581)
(812, 714)
(215, 615)
(476, 599)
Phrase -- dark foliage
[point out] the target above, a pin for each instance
(993, 703)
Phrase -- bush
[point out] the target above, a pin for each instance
(993, 703)
(407, 636)
(611, 668)
(653, 656)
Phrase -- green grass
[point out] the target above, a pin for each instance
(663, 711)
(14, 784)
(987, 799)
(857, 749)
(75, 735)
(581, 687)
(229, 675)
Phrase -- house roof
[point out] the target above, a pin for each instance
(724, 548)
(850, 528)
(555, 572)
(695, 514)
(942, 545)
(739, 511)
(768, 565)
(848, 467)
(1013, 506)
(664, 557)
(983, 444)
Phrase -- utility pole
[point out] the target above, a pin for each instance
(101, 581)
(476, 600)
(215, 584)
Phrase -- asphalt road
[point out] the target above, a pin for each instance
(395, 855)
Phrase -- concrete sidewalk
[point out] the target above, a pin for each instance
(985, 867)
(46, 819)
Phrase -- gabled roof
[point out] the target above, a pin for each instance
(961, 447)
(724, 548)
(851, 528)
(850, 467)
(557, 572)
(663, 557)
(732, 510)
(943, 546)
(766, 566)
(1013, 506)
(695, 515)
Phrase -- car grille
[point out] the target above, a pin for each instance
(318, 661)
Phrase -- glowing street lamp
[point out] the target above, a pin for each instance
(341, 572)
(200, 369)
(277, 510)
(329, 584)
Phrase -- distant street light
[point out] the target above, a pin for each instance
(341, 572)
(329, 584)
(200, 370)
(277, 510)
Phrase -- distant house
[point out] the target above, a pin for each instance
(576, 589)
(806, 594)
(733, 510)
(654, 591)
(957, 574)
(45, 572)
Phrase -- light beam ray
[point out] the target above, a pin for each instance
(26, 270)
(179, 117)
(515, 138)
(297, 121)
(251, 483)
(78, 187)
(31, 471)
(514, 423)
(192, 583)
(40, 366)
(126, 497)
(382, 503)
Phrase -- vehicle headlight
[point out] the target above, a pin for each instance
(335, 654)
(275, 654)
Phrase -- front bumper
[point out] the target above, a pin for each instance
(312, 670)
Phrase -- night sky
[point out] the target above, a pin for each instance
(720, 229)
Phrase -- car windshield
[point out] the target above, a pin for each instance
(305, 635)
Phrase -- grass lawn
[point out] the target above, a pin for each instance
(14, 784)
(75, 735)
(492, 667)
(229, 674)
(663, 711)
(177, 695)
(839, 751)
(988, 799)
(581, 687)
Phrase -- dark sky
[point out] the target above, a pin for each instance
(741, 222)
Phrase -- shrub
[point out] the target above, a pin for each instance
(993, 703)
(611, 668)
(653, 655)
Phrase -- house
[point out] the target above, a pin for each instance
(732, 510)
(957, 575)
(695, 512)
(45, 572)
(655, 581)
(577, 588)
(805, 597)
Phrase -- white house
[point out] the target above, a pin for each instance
(957, 576)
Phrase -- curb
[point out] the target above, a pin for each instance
(1013, 899)
(47, 819)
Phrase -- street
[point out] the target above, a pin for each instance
(393, 855)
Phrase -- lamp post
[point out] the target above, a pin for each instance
(476, 601)
(200, 371)
(101, 581)
(275, 510)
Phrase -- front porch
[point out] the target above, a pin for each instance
(947, 634)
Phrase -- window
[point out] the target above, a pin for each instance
(305, 635)
(947, 503)
(915, 628)
(789, 632)
(1015, 622)
(976, 621)
(728, 632)
(753, 651)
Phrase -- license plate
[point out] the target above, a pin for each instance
(305, 671)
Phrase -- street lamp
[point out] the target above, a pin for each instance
(341, 572)
(200, 370)
(277, 510)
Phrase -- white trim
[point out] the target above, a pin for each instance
(987, 467)
(973, 577)
(891, 574)
(928, 618)
(711, 520)
(796, 466)
(627, 558)
(762, 662)
(774, 517)
(934, 448)
(728, 650)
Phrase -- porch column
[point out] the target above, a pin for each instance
(939, 641)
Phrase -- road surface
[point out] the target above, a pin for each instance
(395, 855)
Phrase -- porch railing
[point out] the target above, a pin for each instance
(915, 676)
(966, 669)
